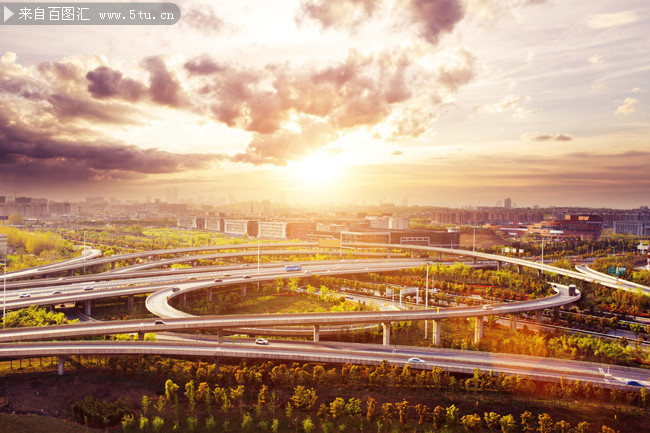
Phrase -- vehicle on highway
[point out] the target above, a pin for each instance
(349, 298)
(218, 280)
(176, 289)
(634, 383)
(56, 293)
(292, 268)
(24, 295)
(487, 306)
(192, 278)
(247, 276)
(226, 275)
(159, 322)
(416, 360)
(87, 288)
(262, 341)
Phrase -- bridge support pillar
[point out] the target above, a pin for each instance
(499, 264)
(88, 307)
(140, 336)
(112, 265)
(183, 300)
(513, 322)
(474, 259)
(316, 333)
(435, 333)
(219, 336)
(210, 291)
(132, 261)
(538, 316)
(216, 364)
(519, 268)
(61, 365)
(478, 329)
(386, 328)
(71, 273)
(130, 300)
(243, 291)
(540, 272)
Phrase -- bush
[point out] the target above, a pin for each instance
(99, 413)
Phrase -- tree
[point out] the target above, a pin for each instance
(371, 403)
(337, 408)
(303, 398)
(582, 427)
(307, 425)
(492, 420)
(190, 393)
(471, 423)
(527, 422)
(562, 427)
(439, 417)
(15, 219)
(452, 416)
(403, 411)
(508, 424)
(545, 423)
(353, 407)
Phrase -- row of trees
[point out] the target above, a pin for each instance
(300, 409)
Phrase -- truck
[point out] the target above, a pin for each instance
(572, 290)
(292, 268)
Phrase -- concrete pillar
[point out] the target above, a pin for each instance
(499, 265)
(435, 333)
(439, 256)
(140, 335)
(519, 268)
(61, 365)
(112, 265)
(220, 336)
(216, 364)
(183, 300)
(513, 322)
(129, 302)
(478, 329)
(71, 273)
(132, 261)
(538, 316)
(243, 290)
(210, 294)
(540, 272)
(316, 333)
(474, 259)
(88, 307)
(386, 328)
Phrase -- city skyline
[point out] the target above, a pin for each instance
(446, 103)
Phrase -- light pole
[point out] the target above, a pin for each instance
(258, 256)
(474, 239)
(426, 302)
(4, 294)
(542, 255)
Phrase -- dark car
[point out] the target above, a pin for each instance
(218, 280)
(159, 322)
(176, 289)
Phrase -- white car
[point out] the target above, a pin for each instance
(24, 295)
(416, 360)
(262, 341)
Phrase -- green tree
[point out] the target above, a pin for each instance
(337, 408)
(452, 416)
(403, 412)
(492, 420)
(545, 423)
(303, 398)
(371, 412)
(307, 425)
(190, 393)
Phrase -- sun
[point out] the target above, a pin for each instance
(317, 171)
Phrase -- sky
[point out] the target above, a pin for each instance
(430, 102)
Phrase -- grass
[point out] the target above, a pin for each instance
(16, 423)
(280, 304)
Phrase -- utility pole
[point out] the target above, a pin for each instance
(426, 302)
(4, 294)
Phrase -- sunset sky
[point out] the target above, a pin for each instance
(440, 102)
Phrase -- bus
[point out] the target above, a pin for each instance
(292, 268)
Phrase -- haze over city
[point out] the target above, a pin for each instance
(444, 103)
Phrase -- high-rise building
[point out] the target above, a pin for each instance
(507, 203)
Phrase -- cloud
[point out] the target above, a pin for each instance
(164, 87)
(628, 106)
(487, 12)
(547, 137)
(338, 14)
(457, 68)
(31, 154)
(506, 103)
(603, 21)
(435, 17)
(203, 65)
(104, 82)
(595, 59)
(202, 18)
(284, 145)
(639, 90)
(397, 152)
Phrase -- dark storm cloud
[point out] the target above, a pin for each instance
(164, 87)
(104, 82)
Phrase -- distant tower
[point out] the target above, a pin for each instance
(507, 203)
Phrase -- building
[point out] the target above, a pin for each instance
(507, 203)
(634, 228)
(429, 238)
(3, 246)
(390, 223)
(240, 227)
(585, 227)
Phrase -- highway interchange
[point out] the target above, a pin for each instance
(187, 280)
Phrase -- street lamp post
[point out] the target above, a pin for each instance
(474, 239)
(4, 294)
(426, 301)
